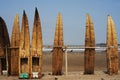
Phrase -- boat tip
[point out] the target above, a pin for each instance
(108, 15)
(1, 18)
(23, 11)
(36, 11)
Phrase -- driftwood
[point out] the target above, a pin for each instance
(112, 48)
(24, 48)
(57, 56)
(89, 54)
(15, 43)
(4, 44)
(36, 49)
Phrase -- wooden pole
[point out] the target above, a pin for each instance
(66, 62)
(0, 67)
(7, 66)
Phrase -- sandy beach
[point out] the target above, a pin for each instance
(75, 68)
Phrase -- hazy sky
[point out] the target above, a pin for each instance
(74, 17)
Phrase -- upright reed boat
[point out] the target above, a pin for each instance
(112, 47)
(24, 49)
(15, 42)
(89, 54)
(57, 56)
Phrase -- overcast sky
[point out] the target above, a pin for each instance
(73, 13)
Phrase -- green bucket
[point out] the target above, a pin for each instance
(24, 75)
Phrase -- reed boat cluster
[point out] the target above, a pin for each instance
(24, 59)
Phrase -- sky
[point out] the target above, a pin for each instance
(73, 14)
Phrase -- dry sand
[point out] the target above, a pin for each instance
(76, 62)
(75, 68)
